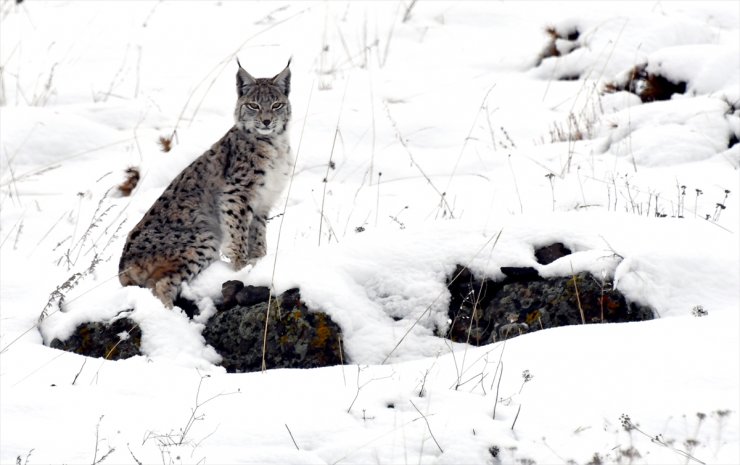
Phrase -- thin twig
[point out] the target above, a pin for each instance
(360, 386)
(407, 14)
(120, 340)
(280, 227)
(57, 162)
(330, 163)
(78, 373)
(428, 426)
(402, 141)
(578, 297)
(628, 425)
(357, 392)
(341, 358)
(291, 437)
(498, 385)
(483, 105)
(516, 417)
(133, 456)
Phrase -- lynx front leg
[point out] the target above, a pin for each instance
(257, 246)
(235, 221)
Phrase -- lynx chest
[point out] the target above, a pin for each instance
(273, 164)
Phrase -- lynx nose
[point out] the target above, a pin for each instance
(266, 122)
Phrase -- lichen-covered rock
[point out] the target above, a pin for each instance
(296, 337)
(483, 311)
(113, 341)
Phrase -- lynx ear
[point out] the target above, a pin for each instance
(282, 80)
(243, 80)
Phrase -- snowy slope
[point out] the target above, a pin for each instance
(427, 135)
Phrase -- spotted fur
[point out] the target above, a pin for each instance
(220, 202)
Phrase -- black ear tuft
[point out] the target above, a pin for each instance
(243, 80)
(282, 80)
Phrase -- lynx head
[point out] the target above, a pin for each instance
(262, 105)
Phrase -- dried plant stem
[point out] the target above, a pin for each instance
(329, 164)
(280, 228)
(16, 225)
(516, 417)
(482, 106)
(407, 13)
(357, 392)
(470, 326)
(110, 352)
(377, 200)
(578, 297)
(498, 385)
(372, 127)
(360, 386)
(291, 437)
(48, 232)
(97, 444)
(402, 141)
(384, 58)
(516, 185)
(428, 426)
(58, 162)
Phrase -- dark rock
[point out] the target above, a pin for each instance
(515, 274)
(482, 311)
(290, 298)
(550, 253)
(103, 340)
(229, 289)
(733, 141)
(251, 295)
(296, 337)
(188, 306)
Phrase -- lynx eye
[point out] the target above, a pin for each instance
(253, 106)
(277, 105)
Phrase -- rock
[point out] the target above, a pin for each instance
(113, 341)
(483, 311)
(189, 307)
(516, 274)
(296, 337)
(550, 253)
(229, 289)
(251, 295)
(236, 293)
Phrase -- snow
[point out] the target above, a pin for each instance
(450, 101)
(680, 130)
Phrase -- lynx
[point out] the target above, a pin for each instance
(220, 202)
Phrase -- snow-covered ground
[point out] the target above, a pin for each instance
(427, 134)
